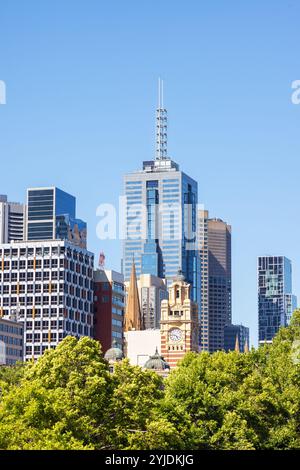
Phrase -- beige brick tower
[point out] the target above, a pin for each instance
(179, 324)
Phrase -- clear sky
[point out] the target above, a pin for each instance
(81, 80)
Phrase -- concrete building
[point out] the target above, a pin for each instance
(179, 323)
(276, 301)
(109, 305)
(219, 281)
(51, 214)
(11, 341)
(161, 217)
(49, 284)
(12, 220)
(236, 335)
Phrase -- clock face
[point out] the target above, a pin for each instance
(175, 334)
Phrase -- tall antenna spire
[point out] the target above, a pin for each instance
(161, 124)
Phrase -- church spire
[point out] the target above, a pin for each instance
(161, 125)
(237, 345)
(133, 319)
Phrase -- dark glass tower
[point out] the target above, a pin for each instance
(51, 215)
(219, 284)
(276, 302)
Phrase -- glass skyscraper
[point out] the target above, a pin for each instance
(276, 302)
(161, 204)
(161, 217)
(51, 215)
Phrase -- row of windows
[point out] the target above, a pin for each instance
(11, 340)
(45, 276)
(45, 263)
(117, 311)
(6, 328)
(116, 334)
(32, 288)
(75, 267)
(42, 251)
(14, 352)
(29, 300)
(79, 329)
(133, 183)
(38, 323)
(30, 251)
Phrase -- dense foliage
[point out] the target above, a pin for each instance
(69, 400)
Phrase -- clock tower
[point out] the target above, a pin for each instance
(179, 324)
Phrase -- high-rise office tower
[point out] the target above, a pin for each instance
(48, 287)
(219, 281)
(12, 220)
(276, 302)
(203, 253)
(160, 227)
(51, 215)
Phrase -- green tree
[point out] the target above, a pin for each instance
(134, 402)
(69, 400)
(61, 398)
(10, 375)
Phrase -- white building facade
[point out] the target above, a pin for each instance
(48, 286)
(141, 345)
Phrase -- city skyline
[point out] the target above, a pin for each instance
(233, 126)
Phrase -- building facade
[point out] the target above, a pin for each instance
(179, 323)
(236, 335)
(160, 207)
(12, 220)
(11, 342)
(204, 260)
(219, 281)
(51, 214)
(49, 286)
(109, 305)
(152, 290)
(276, 301)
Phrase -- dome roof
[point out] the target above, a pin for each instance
(156, 362)
(114, 353)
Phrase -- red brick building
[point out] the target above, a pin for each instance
(109, 298)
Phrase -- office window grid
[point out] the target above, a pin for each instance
(51, 289)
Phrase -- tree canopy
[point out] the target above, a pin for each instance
(68, 399)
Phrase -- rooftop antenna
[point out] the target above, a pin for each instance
(161, 124)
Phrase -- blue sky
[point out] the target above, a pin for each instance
(81, 81)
